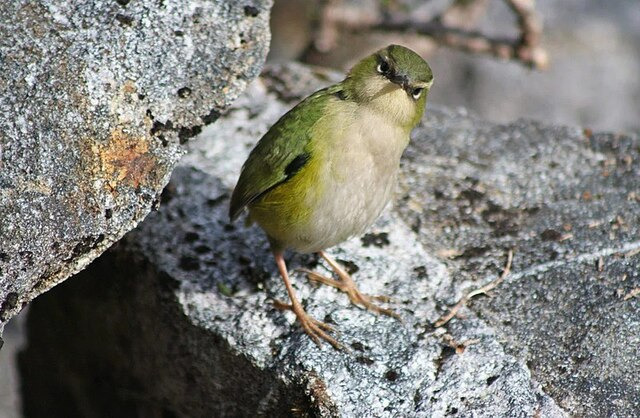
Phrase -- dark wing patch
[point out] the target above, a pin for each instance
(290, 170)
(296, 164)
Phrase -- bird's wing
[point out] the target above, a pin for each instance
(281, 152)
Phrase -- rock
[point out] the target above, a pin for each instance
(97, 97)
(195, 334)
(566, 201)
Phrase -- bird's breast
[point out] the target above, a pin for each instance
(358, 176)
(344, 186)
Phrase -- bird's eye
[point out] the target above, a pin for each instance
(383, 67)
(416, 93)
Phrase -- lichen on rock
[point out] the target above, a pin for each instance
(96, 98)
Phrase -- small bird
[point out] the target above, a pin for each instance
(326, 169)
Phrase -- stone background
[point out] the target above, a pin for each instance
(97, 98)
(184, 300)
(592, 82)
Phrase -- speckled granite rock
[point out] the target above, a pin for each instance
(177, 320)
(95, 99)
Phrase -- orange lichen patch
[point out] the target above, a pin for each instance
(126, 159)
(129, 87)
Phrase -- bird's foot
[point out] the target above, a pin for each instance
(348, 286)
(314, 328)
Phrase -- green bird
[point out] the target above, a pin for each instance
(327, 168)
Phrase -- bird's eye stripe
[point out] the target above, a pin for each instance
(383, 65)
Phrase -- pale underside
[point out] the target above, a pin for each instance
(354, 170)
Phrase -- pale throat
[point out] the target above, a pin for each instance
(382, 132)
(392, 102)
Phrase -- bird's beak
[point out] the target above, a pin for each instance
(400, 79)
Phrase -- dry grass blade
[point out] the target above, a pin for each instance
(633, 293)
(480, 291)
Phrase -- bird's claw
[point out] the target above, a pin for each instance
(312, 327)
(356, 297)
(282, 306)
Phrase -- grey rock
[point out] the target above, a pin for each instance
(195, 331)
(566, 201)
(95, 99)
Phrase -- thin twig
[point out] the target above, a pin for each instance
(480, 291)
(463, 14)
(460, 347)
(529, 54)
(632, 253)
(444, 30)
(528, 21)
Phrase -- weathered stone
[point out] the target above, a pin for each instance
(567, 202)
(185, 319)
(95, 99)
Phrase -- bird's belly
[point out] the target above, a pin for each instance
(342, 190)
(353, 196)
(351, 207)
(342, 204)
(358, 180)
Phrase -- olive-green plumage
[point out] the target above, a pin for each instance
(281, 152)
(327, 168)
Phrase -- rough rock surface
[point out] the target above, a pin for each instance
(95, 99)
(176, 319)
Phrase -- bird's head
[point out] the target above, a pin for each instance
(394, 80)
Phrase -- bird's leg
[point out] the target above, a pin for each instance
(314, 328)
(348, 286)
